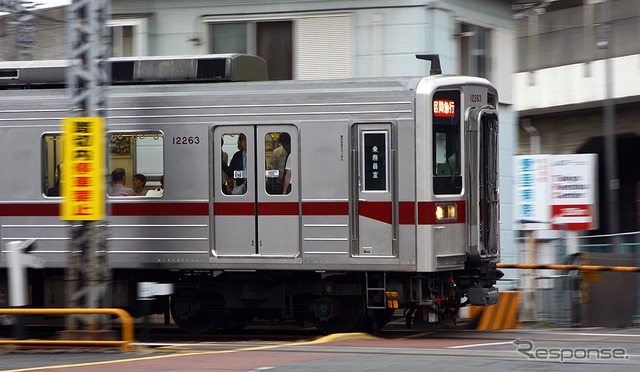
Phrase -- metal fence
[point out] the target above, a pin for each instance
(580, 298)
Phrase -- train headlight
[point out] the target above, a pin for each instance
(446, 212)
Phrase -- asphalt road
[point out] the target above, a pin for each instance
(396, 349)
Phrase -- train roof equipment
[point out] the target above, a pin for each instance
(141, 70)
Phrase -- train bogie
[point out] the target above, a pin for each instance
(331, 201)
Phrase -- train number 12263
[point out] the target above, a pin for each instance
(186, 140)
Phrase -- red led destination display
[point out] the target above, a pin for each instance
(444, 108)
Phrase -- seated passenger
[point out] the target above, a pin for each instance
(139, 181)
(118, 188)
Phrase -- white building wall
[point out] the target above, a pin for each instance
(579, 85)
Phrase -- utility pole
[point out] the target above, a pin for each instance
(87, 275)
(610, 148)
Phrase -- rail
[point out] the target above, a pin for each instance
(125, 319)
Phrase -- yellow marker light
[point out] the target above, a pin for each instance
(452, 211)
(446, 212)
(392, 300)
(439, 212)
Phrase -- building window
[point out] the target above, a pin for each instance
(474, 50)
(308, 47)
(129, 37)
(271, 40)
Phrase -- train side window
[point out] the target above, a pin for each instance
(52, 159)
(277, 147)
(141, 156)
(234, 170)
(446, 143)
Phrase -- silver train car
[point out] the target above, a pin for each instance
(335, 201)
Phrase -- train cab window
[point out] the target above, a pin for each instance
(234, 170)
(277, 147)
(446, 143)
(52, 159)
(491, 100)
(141, 156)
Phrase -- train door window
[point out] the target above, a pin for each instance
(51, 164)
(277, 147)
(234, 168)
(374, 161)
(141, 156)
(446, 143)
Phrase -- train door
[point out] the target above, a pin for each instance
(254, 214)
(234, 191)
(374, 232)
(278, 203)
(484, 199)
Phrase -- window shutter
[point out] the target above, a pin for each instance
(503, 62)
(323, 47)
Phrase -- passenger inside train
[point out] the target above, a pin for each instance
(139, 182)
(118, 178)
(278, 161)
(239, 166)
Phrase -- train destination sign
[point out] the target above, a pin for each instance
(444, 108)
(82, 183)
(375, 161)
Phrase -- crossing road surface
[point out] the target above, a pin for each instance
(450, 349)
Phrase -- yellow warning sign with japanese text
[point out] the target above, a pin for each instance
(82, 183)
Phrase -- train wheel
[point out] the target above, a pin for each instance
(376, 319)
(237, 320)
(190, 319)
(340, 314)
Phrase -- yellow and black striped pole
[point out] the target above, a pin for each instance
(628, 269)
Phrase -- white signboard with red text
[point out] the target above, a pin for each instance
(574, 191)
(556, 192)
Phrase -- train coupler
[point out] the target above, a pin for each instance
(482, 296)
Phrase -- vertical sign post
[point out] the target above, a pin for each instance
(82, 180)
(87, 273)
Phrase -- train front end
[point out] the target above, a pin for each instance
(457, 193)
